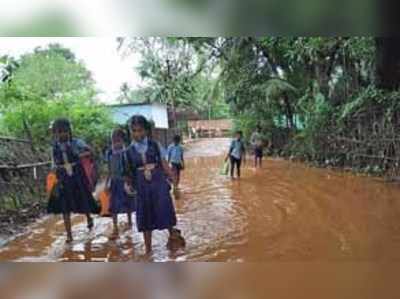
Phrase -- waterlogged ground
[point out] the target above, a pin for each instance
(282, 212)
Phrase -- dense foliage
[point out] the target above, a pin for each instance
(308, 93)
(49, 83)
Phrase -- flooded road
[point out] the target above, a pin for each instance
(282, 212)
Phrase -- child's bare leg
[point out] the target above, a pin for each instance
(89, 221)
(67, 224)
(148, 241)
(115, 225)
(176, 174)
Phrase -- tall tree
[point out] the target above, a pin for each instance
(175, 72)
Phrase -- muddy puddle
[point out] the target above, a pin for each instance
(282, 212)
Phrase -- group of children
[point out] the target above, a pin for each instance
(237, 151)
(138, 180)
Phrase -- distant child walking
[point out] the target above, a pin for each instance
(71, 193)
(237, 154)
(148, 171)
(121, 195)
(256, 141)
(175, 158)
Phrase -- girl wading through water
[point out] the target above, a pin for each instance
(148, 171)
(122, 197)
(71, 194)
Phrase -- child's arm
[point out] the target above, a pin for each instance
(169, 154)
(127, 173)
(229, 152)
(108, 160)
(85, 154)
(55, 164)
(164, 164)
(127, 169)
(53, 161)
(84, 150)
(168, 171)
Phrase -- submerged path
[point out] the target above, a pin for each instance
(283, 212)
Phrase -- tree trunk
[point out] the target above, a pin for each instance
(289, 111)
(388, 63)
(172, 98)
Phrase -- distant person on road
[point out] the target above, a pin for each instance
(257, 142)
(193, 133)
(175, 159)
(237, 154)
(72, 193)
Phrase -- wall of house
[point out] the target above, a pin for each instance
(156, 112)
(160, 116)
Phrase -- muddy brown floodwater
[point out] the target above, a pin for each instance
(283, 212)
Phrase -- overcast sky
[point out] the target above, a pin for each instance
(99, 54)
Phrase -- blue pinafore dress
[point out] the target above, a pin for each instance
(154, 206)
(121, 202)
(71, 194)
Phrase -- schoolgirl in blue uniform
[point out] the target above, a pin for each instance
(122, 197)
(148, 170)
(71, 194)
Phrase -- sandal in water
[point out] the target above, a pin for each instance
(176, 240)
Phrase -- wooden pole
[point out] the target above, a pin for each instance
(6, 138)
(22, 166)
